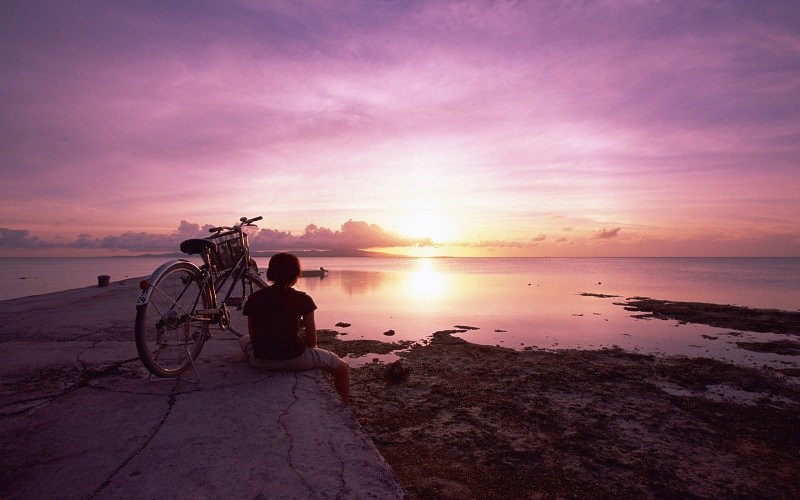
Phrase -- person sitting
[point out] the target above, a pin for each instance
(274, 316)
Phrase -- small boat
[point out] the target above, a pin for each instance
(311, 273)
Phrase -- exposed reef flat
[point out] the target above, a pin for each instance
(721, 316)
(474, 421)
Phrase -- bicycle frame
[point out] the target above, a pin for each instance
(219, 282)
(181, 302)
(217, 313)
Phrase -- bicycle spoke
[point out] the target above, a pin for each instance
(168, 336)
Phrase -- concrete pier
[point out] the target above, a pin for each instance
(80, 418)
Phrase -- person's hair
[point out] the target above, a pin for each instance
(284, 268)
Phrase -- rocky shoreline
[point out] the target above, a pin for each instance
(467, 421)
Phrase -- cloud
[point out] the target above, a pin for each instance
(20, 238)
(351, 235)
(605, 234)
(619, 107)
(141, 241)
(718, 244)
(526, 243)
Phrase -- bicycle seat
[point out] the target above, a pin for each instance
(197, 245)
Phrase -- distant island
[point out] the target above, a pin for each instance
(300, 253)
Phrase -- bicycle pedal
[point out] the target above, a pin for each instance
(207, 312)
(234, 302)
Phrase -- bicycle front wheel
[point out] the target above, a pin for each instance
(169, 335)
(249, 283)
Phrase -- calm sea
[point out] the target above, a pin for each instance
(515, 302)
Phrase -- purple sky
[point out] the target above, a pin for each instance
(490, 128)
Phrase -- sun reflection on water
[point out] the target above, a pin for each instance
(531, 303)
(425, 283)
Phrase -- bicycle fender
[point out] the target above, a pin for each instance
(144, 297)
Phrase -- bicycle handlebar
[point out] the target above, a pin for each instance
(244, 221)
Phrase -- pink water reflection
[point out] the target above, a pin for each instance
(521, 303)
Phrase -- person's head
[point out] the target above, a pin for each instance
(283, 269)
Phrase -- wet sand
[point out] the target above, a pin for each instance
(460, 420)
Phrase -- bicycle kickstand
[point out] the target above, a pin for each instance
(180, 378)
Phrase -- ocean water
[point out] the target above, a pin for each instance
(23, 276)
(514, 302)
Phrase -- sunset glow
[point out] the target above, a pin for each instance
(425, 285)
(439, 227)
(620, 128)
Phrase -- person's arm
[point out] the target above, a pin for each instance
(311, 329)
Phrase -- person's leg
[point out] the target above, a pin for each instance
(247, 348)
(332, 363)
(341, 381)
(246, 345)
(312, 357)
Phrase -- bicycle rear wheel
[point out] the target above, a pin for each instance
(249, 283)
(169, 337)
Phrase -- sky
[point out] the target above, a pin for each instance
(485, 128)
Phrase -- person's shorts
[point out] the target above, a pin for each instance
(312, 358)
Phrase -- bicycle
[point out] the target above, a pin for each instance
(180, 302)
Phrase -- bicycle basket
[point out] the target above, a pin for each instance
(229, 249)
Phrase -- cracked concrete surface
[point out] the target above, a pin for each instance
(80, 419)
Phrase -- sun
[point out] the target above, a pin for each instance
(420, 225)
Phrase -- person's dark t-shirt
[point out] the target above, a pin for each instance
(276, 312)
